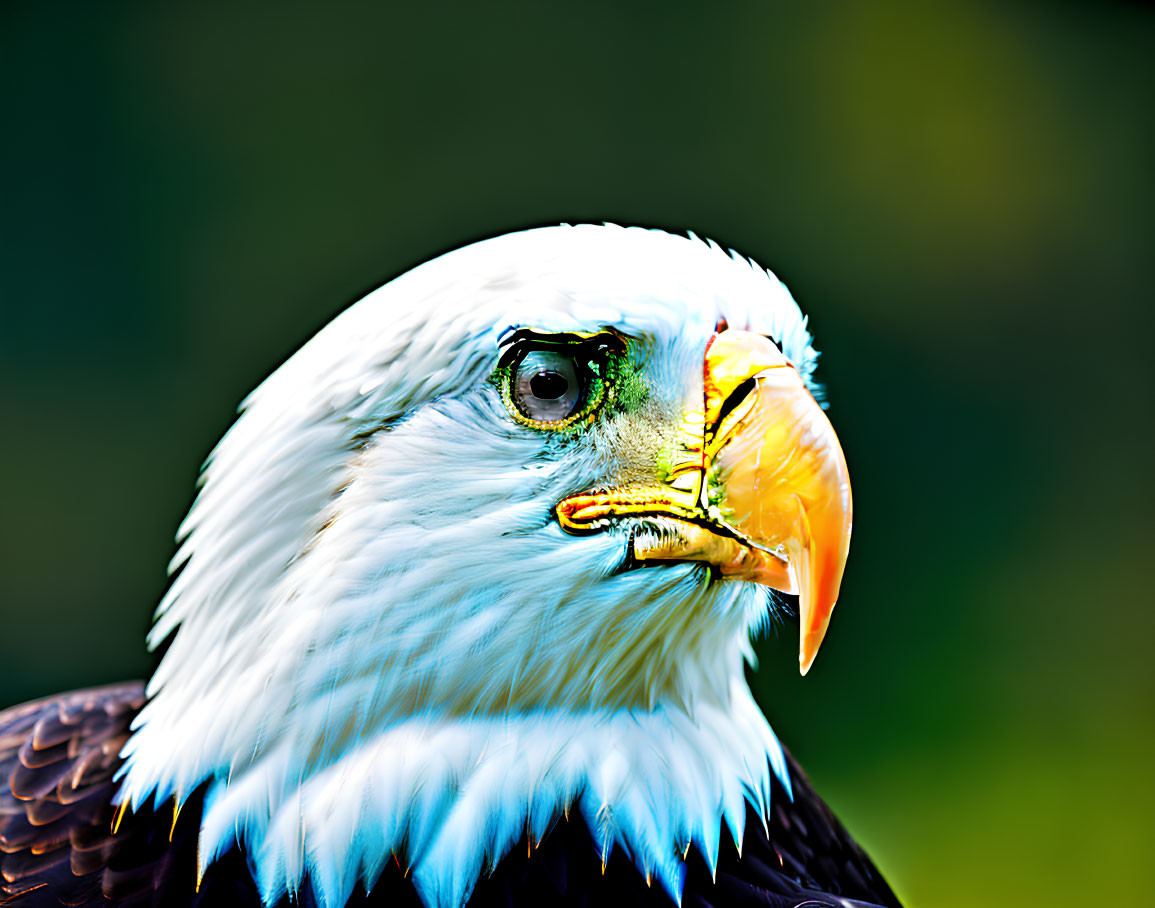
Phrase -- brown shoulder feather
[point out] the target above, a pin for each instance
(57, 759)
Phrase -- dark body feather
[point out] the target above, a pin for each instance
(57, 847)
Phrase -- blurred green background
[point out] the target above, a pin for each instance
(960, 195)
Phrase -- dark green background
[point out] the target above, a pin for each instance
(960, 195)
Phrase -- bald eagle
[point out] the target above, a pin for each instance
(461, 612)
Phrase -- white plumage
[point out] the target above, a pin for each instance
(382, 639)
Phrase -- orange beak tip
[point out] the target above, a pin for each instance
(806, 655)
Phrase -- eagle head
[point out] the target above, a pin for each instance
(491, 547)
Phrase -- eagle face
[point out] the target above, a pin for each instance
(492, 546)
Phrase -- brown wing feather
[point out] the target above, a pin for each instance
(57, 760)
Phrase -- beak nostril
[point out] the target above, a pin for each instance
(739, 394)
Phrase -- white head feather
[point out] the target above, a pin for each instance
(383, 641)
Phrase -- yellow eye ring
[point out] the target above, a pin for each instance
(590, 399)
(572, 377)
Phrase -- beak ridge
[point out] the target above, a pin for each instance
(784, 480)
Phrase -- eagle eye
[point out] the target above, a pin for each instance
(547, 387)
(554, 381)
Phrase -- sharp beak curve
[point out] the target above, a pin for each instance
(760, 490)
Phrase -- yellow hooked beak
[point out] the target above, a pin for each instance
(759, 488)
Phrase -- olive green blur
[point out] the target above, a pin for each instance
(960, 195)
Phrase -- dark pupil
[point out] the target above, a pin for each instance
(548, 385)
